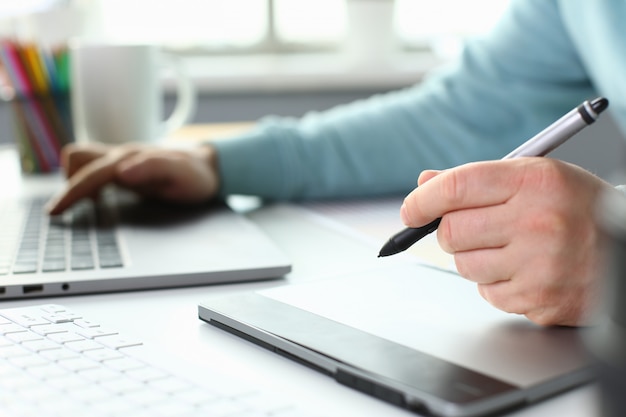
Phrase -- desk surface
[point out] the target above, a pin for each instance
(168, 319)
(195, 132)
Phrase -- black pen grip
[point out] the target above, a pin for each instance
(407, 237)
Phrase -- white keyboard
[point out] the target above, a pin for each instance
(54, 362)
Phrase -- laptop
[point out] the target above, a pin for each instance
(121, 243)
(410, 334)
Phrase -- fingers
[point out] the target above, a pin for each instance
(76, 155)
(172, 175)
(481, 228)
(89, 179)
(545, 306)
(468, 186)
(183, 176)
(149, 167)
(155, 174)
(547, 285)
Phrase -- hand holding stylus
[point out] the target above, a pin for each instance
(522, 229)
(539, 145)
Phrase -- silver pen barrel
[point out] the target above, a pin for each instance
(558, 132)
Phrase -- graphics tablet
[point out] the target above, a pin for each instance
(412, 335)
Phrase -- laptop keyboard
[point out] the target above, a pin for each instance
(83, 238)
(55, 362)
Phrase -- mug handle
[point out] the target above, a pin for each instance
(185, 97)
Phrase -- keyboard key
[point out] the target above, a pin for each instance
(49, 329)
(92, 332)
(103, 354)
(111, 262)
(124, 364)
(65, 337)
(53, 308)
(85, 324)
(146, 374)
(78, 364)
(24, 319)
(82, 262)
(122, 385)
(58, 318)
(53, 265)
(144, 396)
(11, 328)
(83, 345)
(59, 354)
(92, 394)
(67, 381)
(28, 361)
(118, 342)
(171, 384)
(5, 342)
(20, 337)
(41, 345)
(113, 407)
(25, 268)
(99, 374)
(49, 371)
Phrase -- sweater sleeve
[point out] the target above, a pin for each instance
(505, 87)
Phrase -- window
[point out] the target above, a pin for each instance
(443, 24)
(219, 24)
(320, 22)
(231, 45)
(236, 26)
(225, 25)
(13, 9)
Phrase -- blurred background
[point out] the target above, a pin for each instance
(251, 58)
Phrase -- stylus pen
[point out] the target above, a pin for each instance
(539, 145)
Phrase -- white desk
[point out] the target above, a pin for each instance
(168, 319)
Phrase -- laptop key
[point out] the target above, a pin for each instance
(111, 262)
(82, 263)
(25, 268)
(53, 266)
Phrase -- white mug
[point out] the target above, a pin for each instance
(117, 96)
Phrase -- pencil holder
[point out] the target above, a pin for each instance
(38, 81)
(42, 126)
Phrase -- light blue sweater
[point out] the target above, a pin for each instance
(542, 59)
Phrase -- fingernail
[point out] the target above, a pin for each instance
(403, 214)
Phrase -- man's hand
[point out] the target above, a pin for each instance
(175, 175)
(522, 229)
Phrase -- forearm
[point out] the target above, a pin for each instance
(380, 145)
